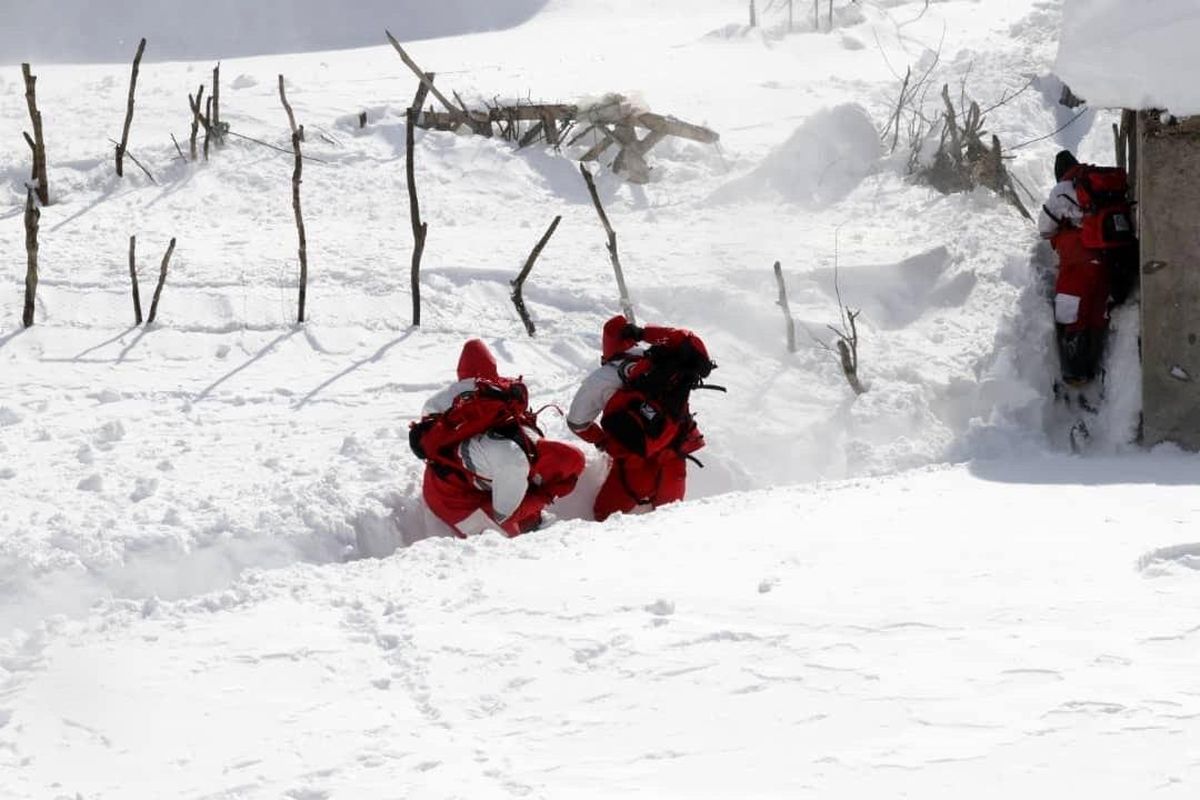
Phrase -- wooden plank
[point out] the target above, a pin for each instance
(550, 127)
(677, 127)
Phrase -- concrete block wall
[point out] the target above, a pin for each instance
(1168, 192)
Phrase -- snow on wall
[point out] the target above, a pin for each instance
(1132, 55)
(176, 29)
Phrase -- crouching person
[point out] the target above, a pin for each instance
(487, 466)
(640, 395)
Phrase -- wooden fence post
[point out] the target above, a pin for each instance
(297, 173)
(32, 215)
(137, 60)
(37, 142)
(133, 279)
(420, 229)
(162, 280)
(518, 283)
(623, 292)
(787, 311)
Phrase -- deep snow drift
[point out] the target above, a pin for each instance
(158, 486)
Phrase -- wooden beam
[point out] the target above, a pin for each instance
(677, 127)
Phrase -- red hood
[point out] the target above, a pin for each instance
(477, 361)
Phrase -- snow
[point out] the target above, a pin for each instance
(216, 577)
(1132, 55)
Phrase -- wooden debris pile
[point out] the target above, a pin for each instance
(611, 122)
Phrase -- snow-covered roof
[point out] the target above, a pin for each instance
(1124, 54)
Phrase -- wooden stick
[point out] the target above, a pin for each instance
(178, 149)
(787, 311)
(139, 164)
(208, 104)
(133, 279)
(362, 120)
(162, 280)
(38, 142)
(215, 118)
(288, 108)
(518, 283)
(421, 76)
(420, 229)
(422, 92)
(626, 305)
(32, 215)
(137, 60)
(195, 103)
(297, 171)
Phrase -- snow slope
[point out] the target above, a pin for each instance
(184, 508)
(831, 641)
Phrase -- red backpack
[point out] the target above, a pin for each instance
(650, 412)
(496, 405)
(1103, 196)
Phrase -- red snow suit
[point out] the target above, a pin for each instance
(1082, 274)
(453, 492)
(648, 442)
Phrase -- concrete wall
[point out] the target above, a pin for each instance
(1168, 189)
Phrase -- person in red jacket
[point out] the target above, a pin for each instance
(502, 477)
(640, 395)
(1082, 287)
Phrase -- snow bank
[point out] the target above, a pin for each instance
(83, 30)
(1132, 55)
(819, 164)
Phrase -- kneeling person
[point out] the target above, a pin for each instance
(487, 464)
(640, 395)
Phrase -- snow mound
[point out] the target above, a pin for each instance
(819, 164)
(1132, 55)
(229, 28)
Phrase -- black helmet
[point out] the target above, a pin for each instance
(1063, 163)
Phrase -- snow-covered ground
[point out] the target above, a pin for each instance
(185, 609)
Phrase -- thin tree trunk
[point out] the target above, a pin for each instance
(32, 215)
(518, 283)
(623, 292)
(37, 143)
(753, 15)
(133, 280)
(791, 17)
(137, 60)
(787, 311)
(420, 229)
(162, 280)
